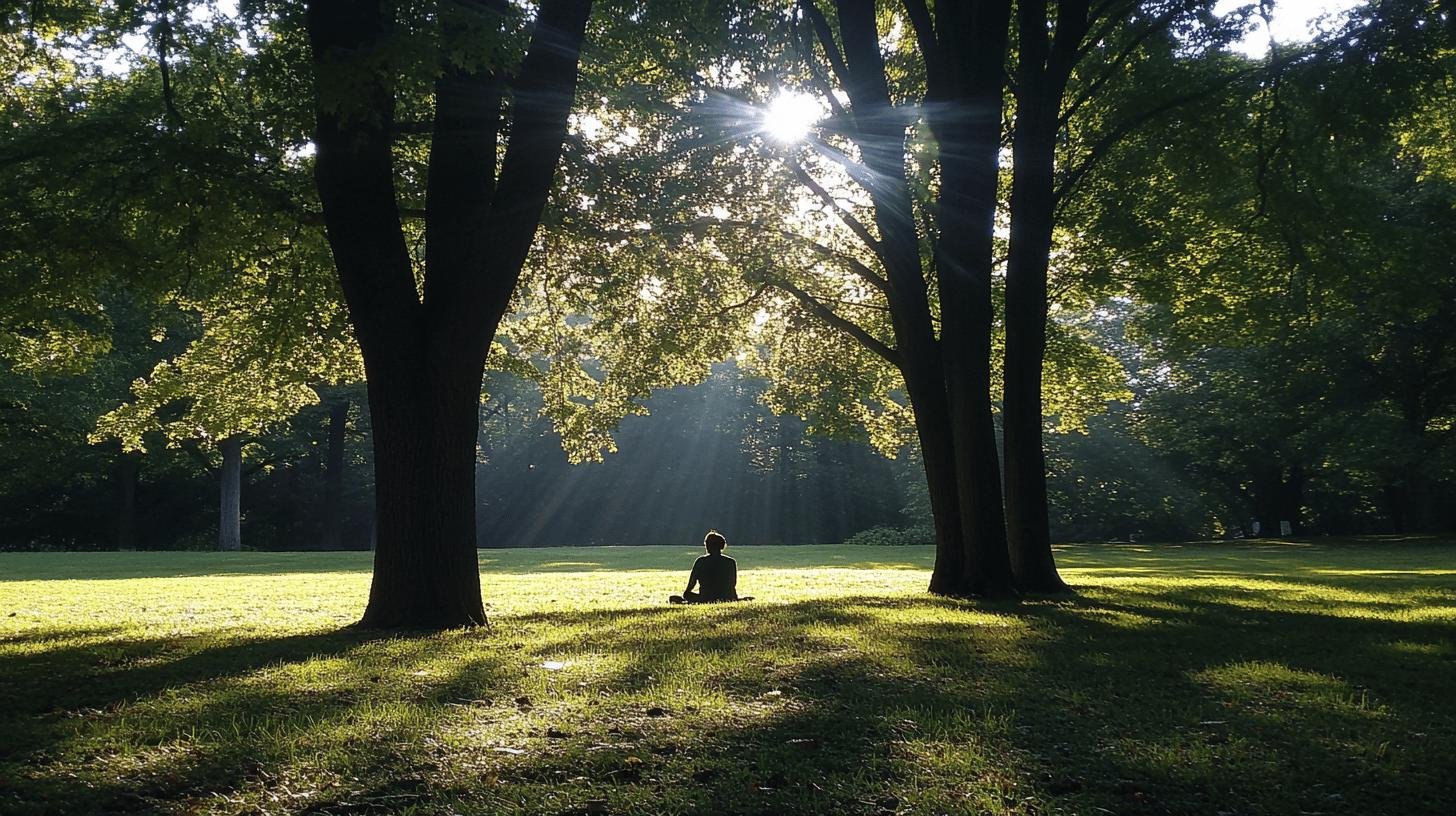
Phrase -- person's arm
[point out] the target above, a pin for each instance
(692, 578)
(733, 580)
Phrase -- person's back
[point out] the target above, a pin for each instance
(715, 574)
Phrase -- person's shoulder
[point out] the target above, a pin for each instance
(727, 558)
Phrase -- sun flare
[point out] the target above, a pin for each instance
(790, 116)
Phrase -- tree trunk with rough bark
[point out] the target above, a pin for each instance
(229, 519)
(947, 377)
(1044, 66)
(424, 427)
(965, 91)
(1028, 525)
(424, 355)
(933, 429)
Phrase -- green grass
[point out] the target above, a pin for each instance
(1196, 679)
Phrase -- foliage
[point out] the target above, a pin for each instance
(892, 537)
(1289, 254)
(220, 103)
(1282, 246)
(259, 358)
(1104, 483)
(188, 197)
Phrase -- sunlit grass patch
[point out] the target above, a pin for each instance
(1266, 686)
(1198, 679)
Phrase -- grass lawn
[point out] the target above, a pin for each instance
(1276, 678)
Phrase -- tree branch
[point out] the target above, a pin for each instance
(757, 293)
(164, 48)
(1117, 134)
(1119, 59)
(1073, 21)
(855, 265)
(417, 127)
(542, 94)
(804, 43)
(855, 225)
(826, 40)
(929, 44)
(1104, 11)
(833, 319)
(859, 173)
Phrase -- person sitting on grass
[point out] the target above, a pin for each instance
(715, 574)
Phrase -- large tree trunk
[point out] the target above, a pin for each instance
(948, 378)
(932, 426)
(966, 335)
(881, 136)
(426, 572)
(1043, 70)
(229, 519)
(333, 521)
(424, 356)
(1028, 524)
(966, 117)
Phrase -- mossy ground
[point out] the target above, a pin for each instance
(1253, 678)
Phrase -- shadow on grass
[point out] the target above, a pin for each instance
(1143, 700)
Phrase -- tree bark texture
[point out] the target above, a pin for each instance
(229, 517)
(946, 377)
(424, 355)
(1044, 68)
(933, 429)
(964, 83)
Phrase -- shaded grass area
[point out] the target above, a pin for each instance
(1263, 678)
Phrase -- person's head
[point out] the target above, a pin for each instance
(714, 542)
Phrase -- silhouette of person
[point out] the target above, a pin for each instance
(715, 574)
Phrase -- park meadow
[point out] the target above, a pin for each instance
(1261, 677)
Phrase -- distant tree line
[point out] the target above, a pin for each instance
(709, 455)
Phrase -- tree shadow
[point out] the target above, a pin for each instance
(1177, 699)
